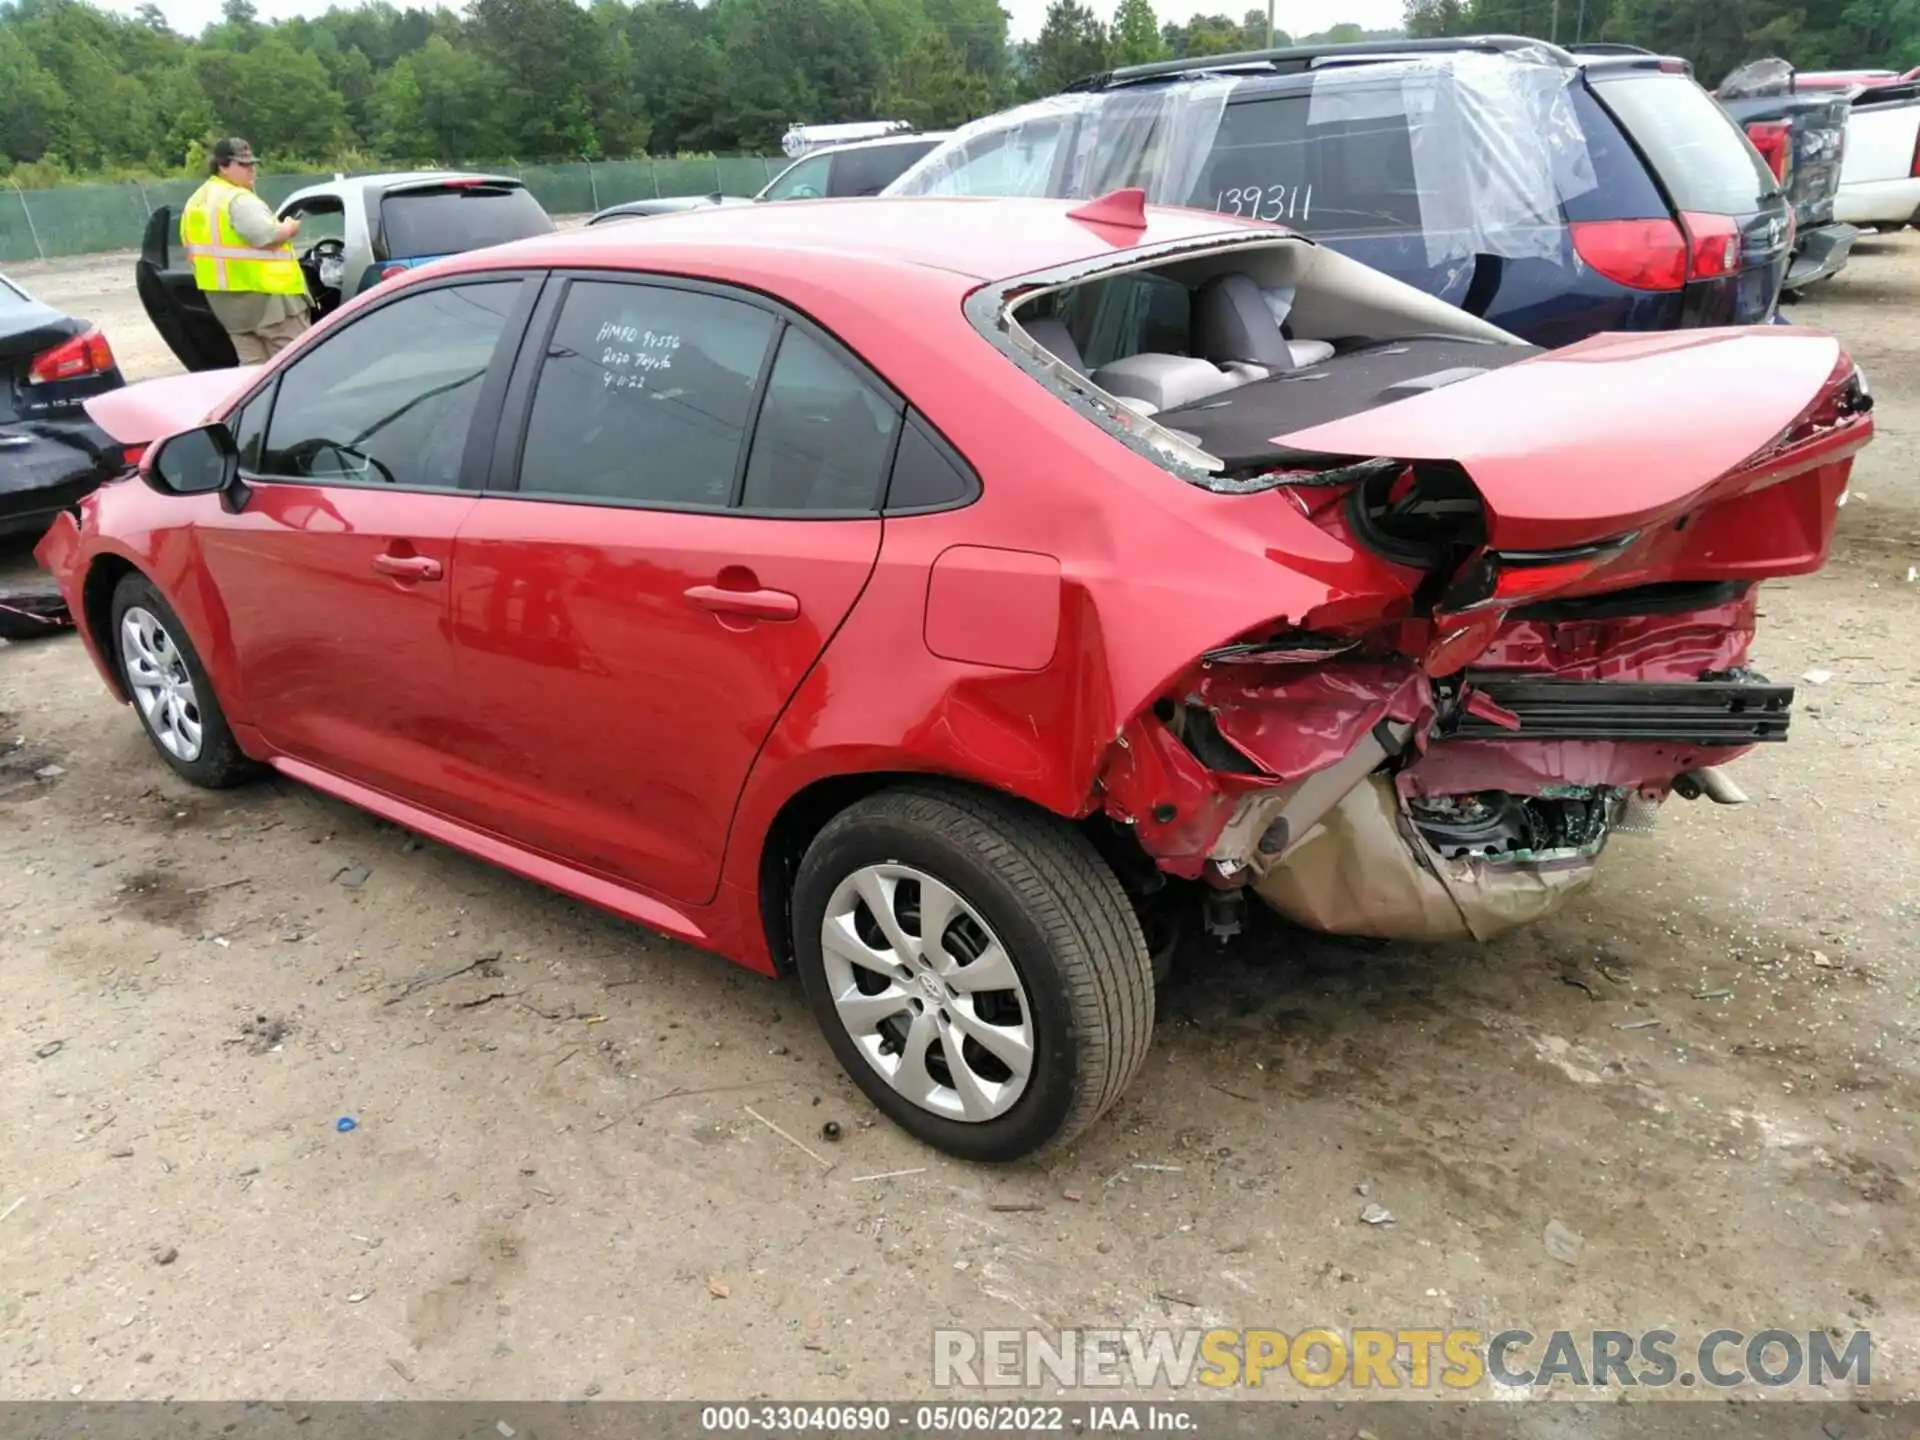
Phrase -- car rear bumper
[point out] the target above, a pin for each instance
(46, 466)
(1821, 254)
(1878, 202)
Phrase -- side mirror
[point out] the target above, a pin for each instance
(194, 462)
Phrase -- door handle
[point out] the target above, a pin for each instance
(756, 604)
(408, 567)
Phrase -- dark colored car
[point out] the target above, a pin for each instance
(861, 167)
(1802, 135)
(1557, 195)
(903, 642)
(354, 232)
(50, 452)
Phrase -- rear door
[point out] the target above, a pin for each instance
(685, 507)
(1728, 202)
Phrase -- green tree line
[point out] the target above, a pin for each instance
(1715, 35)
(86, 92)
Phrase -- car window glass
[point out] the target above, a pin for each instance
(1018, 160)
(871, 168)
(249, 428)
(925, 473)
(389, 399)
(1350, 176)
(644, 395)
(1695, 146)
(451, 219)
(806, 180)
(823, 436)
(1127, 315)
(319, 222)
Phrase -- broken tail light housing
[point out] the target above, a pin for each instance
(1774, 140)
(1512, 577)
(87, 353)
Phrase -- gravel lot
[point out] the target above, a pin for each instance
(561, 1184)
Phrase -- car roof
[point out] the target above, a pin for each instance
(977, 238)
(386, 180)
(878, 142)
(1302, 62)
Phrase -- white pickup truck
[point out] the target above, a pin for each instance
(1880, 174)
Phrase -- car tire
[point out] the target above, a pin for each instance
(1028, 899)
(170, 689)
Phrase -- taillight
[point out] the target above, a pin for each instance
(1914, 168)
(388, 272)
(1640, 254)
(1713, 243)
(130, 455)
(1513, 577)
(1774, 140)
(85, 354)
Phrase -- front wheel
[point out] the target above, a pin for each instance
(976, 966)
(171, 690)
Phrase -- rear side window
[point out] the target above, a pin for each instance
(448, 220)
(1622, 188)
(927, 473)
(1695, 146)
(1347, 177)
(823, 435)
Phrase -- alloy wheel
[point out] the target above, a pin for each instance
(162, 687)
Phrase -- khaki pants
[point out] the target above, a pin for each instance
(255, 347)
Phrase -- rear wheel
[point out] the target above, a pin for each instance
(976, 966)
(170, 688)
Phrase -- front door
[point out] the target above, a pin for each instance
(362, 460)
(691, 512)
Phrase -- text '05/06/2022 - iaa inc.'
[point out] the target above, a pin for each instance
(976, 588)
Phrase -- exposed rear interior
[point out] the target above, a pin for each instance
(1229, 349)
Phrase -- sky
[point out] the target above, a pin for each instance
(1299, 17)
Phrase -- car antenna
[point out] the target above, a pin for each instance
(1123, 209)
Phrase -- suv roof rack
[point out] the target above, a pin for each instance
(1295, 58)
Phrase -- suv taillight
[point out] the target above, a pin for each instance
(1713, 245)
(1774, 140)
(85, 354)
(1640, 254)
(1658, 254)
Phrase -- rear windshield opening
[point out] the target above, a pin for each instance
(446, 220)
(1696, 148)
(1202, 359)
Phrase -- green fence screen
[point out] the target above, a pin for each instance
(90, 219)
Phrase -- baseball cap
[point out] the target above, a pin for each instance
(232, 151)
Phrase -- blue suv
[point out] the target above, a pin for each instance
(1554, 194)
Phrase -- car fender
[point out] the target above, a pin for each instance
(157, 535)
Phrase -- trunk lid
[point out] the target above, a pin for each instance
(140, 414)
(1615, 434)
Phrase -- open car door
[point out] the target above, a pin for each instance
(174, 303)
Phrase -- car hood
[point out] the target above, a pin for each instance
(140, 414)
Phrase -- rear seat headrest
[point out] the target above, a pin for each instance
(1054, 335)
(1231, 321)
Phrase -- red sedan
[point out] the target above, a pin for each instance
(931, 596)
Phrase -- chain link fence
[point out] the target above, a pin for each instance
(90, 219)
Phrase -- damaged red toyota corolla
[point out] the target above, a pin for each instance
(902, 591)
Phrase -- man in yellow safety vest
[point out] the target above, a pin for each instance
(241, 259)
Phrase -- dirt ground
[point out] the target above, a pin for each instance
(565, 1179)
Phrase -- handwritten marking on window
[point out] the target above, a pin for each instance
(1272, 203)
